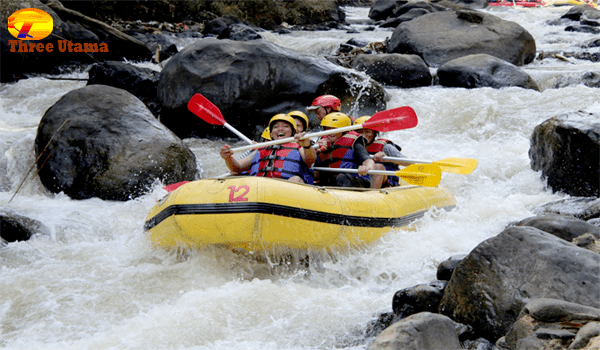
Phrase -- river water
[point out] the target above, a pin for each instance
(94, 281)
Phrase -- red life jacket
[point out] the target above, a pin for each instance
(279, 161)
(341, 155)
(377, 146)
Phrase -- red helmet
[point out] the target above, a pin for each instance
(326, 101)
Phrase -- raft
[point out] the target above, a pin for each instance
(257, 213)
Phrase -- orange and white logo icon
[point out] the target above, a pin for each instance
(30, 24)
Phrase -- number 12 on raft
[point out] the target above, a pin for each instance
(241, 197)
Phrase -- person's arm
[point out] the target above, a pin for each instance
(363, 158)
(235, 165)
(308, 153)
(392, 151)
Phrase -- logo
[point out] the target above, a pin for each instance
(30, 24)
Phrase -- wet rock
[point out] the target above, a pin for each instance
(419, 298)
(584, 208)
(250, 81)
(100, 141)
(405, 71)
(382, 9)
(160, 44)
(491, 285)
(17, 227)
(239, 32)
(552, 324)
(140, 82)
(446, 267)
(443, 36)
(483, 70)
(564, 227)
(218, 25)
(423, 331)
(566, 149)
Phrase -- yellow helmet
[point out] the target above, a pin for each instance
(285, 118)
(336, 120)
(362, 119)
(266, 134)
(300, 115)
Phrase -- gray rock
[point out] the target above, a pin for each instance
(100, 141)
(483, 70)
(443, 36)
(250, 81)
(422, 331)
(405, 71)
(566, 149)
(565, 227)
(491, 285)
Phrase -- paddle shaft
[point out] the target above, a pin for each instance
(344, 170)
(239, 134)
(291, 139)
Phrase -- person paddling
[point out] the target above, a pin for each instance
(379, 148)
(346, 150)
(290, 161)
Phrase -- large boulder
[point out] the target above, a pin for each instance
(394, 69)
(491, 285)
(483, 70)
(140, 82)
(100, 141)
(443, 36)
(553, 324)
(250, 81)
(562, 226)
(566, 149)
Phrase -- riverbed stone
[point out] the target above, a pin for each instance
(549, 323)
(404, 71)
(15, 226)
(584, 208)
(491, 285)
(100, 141)
(483, 70)
(419, 298)
(422, 331)
(250, 81)
(565, 227)
(140, 82)
(443, 36)
(566, 149)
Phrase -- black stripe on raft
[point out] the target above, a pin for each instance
(281, 210)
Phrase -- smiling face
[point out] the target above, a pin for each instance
(332, 137)
(281, 130)
(368, 134)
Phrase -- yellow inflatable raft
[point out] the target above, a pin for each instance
(256, 213)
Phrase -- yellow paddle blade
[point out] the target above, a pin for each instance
(428, 175)
(457, 165)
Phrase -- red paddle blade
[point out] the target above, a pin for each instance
(392, 119)
(172, 187)
(203, 108)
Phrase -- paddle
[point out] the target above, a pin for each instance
(461, 166)
(428, 175)
(203, 108)
(390, 120)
